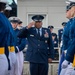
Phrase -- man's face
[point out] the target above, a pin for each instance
(14, 25)
(53, 37)
(73, 11)
(38, 24)
(68, 14)
(51, 30)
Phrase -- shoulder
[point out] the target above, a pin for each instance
(31, 29)
(46, 29)
(60, 29)
(17, 29)
(54, 34)
(1, 18)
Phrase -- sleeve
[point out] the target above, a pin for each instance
(22, 44)
(23, 33)
(2, 32)
(71, 49)
(12, 42)
(51, 46)
(59, 36)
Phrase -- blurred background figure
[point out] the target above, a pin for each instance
(19, 26)
(19, 46)
(55, 42)
(7, 11)
(60, 31)
(51, 28)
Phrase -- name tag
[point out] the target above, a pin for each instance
(32, 35)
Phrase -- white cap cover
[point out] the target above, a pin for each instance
(8, 8)
(4, 1)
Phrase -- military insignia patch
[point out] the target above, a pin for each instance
(46, 35)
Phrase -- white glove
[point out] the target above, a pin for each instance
(73, 72)
(64, 64)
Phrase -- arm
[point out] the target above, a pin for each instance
(51, 47)
(22, 44)
(2, 31)
(59, 36)
(24, 32)
(71, 49)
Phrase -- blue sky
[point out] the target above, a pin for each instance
(10, 1)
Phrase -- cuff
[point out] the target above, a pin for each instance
(17, 48)
(69, 58)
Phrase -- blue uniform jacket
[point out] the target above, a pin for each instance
(71, 48)
(19, 42)
(55, 41)
(4, 33)
(39, 49)
(66, 37)
(11, 37)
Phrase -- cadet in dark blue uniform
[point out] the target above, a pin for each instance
(60, 32)
(11, 43)
(4, 35)
(40, 46)
(71, 33)
(65, 40)
(55, 43)
(19, 46)
(20, 25)
(71, 47)
(51, 28)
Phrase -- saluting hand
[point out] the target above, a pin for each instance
(30, 25)
(49, 60)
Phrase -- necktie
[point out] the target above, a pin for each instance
(39, 33)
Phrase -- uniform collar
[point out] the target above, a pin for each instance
(39, 29)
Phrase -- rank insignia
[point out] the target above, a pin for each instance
(46, 35)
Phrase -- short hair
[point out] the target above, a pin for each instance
(64, 23)
(50, 27)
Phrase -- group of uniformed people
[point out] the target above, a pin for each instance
(11, 55)
(40, 49)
